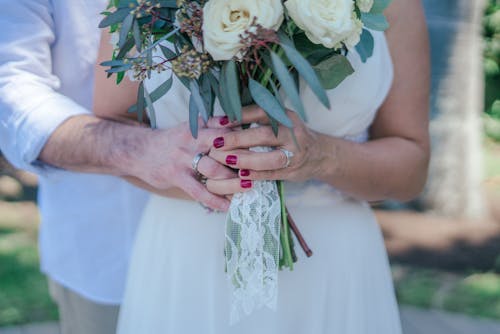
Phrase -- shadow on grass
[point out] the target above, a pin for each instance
(461, 255)
(7, 230)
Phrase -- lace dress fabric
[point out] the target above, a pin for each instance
(177, 281)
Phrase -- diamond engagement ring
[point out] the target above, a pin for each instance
(196, 161)
(288, 154)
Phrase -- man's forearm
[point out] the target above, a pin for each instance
(157, 160)
(91, 145)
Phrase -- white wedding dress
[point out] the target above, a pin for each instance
(177, 283)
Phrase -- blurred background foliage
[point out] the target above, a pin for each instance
(491, 24)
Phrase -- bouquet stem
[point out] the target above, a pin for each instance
(298, 235)
(285, 230)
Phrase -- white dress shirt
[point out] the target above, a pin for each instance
(47, 53)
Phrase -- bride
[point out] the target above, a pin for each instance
(372, 145)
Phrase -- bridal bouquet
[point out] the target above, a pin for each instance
(239, 52)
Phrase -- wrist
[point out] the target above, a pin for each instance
(328, 162)
(130, 143)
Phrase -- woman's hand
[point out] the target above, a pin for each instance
(304, 162)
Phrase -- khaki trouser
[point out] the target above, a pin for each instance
(81, 316)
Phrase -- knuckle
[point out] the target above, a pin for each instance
(211, 170)
(232, 140)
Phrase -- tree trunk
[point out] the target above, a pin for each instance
(454, 185)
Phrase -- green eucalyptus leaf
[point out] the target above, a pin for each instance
(193, 117)
(379, 6)
(136, 31)
(264, 99)
(125, 29)
(207, 95)
(168, 4)
(140, 102)
(288, 84)
(332, 71)
(365, 45)
(198, 100)
(306, 71)
(119, 77)
(118, 69)
(111, 63)
(126, 48)
(151, 108)
(314, 53)
(375, 21)
(231, 88)
(114, 18)
(276, 93)
(127, 3)
(149, 62)
(274, 126)
(169, 54)
(218, 88)
(162, 89)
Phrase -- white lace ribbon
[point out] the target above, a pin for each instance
(252, 248)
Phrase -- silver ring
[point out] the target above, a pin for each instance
(196, 161)
(203, 179)
(289, 155)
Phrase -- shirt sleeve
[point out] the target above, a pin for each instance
(31, 107)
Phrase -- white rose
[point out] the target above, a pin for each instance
(225, 20)
(365, 5)
(330, 23)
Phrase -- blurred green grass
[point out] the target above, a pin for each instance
(24, 294)
(491, 159)
(476, 294)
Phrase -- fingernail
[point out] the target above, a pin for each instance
(231, 159)
(219, 142)
(246, 184)
(224, 120)
(244, 172)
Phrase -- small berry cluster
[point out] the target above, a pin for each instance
(191, 64)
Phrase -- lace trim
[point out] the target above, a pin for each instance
(252, 248)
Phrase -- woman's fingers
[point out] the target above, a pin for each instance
(220, 122)
(261, 136)
(266, 175)
(212, 169)
(245, 159)
(250, 114)
(228, 186)
(254, 114)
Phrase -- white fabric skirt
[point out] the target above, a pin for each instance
(177, 283)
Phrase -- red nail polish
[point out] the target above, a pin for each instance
(231, 159)
(244, 172)
(246, 184)
(219, 142)
(224, 120)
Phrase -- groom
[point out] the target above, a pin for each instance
(48, 50)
